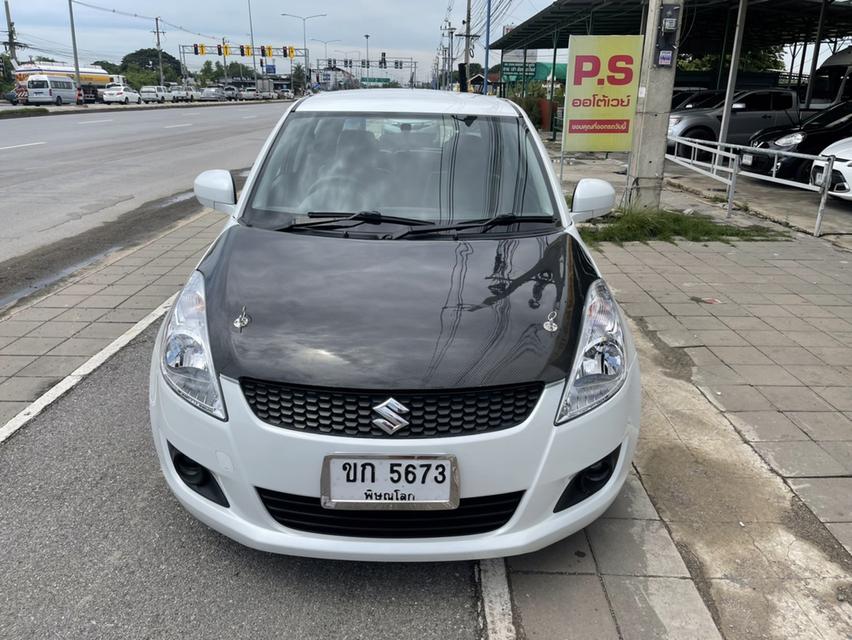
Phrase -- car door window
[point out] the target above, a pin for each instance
(782, 101)
(758, 102)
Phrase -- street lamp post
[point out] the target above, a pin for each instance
(367, 38)
(326, 43)
(251, 36)
(304, 20)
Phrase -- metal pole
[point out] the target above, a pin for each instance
(487, 45)
(826, 186)
(159, 50)
(724, 48)
(815, 59)
(307, 57)
(523, 75)
(732, 73)
(451, 59)
(10, 26)
(802, 64)
(732, 185)
(251, 35)
(224, 58)
(73, 45)
(367, 67)
(467, 44)
(552, 86)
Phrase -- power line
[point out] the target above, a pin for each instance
(141, 17)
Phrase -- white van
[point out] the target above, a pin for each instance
(51, 89)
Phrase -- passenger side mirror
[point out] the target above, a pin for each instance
(216, 189)
(592, 198)
(738, 106)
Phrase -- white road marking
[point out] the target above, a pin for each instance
(18, 146)
(175, 126)
(75, 377)
(496, 600)
(248, 117)
(94, 121)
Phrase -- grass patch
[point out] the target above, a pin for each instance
(645, 225)
(23, 113)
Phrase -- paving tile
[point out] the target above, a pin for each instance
(38, 314)
(799, 459)
(25, 389)
(659, 323)
(738, 398)
(789, 324)
(634, 547)
(9, 410)
(740, 355)
(721, 338)
(10, 365)
(52, 366)
(829, 498)
(30, 346)
(702, 356)
(126, 315)
(59, 301)
(82, 289)
(147, 303)
(791, 355)
(567, 607)
(686, 309)
(768, 310)
(728, 310)
(767, 338)
(102, 301)
(813, 338)
(53, 329)
(660, 608)
(105, 330)
(747, 323)
(766, 426)
(843, 532)
(841, 356)
(4, 340)
(831, 325)
(823, 425)
(794, 398)
(680, 338)
(632, 502)
(17, 328)
(702, 323)
(80, 315)
(571, 555)
(839, 397)
(79, 347)
(765, 374)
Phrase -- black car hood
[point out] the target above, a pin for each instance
(394, 314)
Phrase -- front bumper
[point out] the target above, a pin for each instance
(244, 453)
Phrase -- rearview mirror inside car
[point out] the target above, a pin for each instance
(592, 198)
(216, 189)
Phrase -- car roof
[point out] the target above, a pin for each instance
(408, 101)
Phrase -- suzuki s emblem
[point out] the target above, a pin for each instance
(391, 421)
(242, 320)
(550, 325)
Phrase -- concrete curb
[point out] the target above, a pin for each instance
(72, 109)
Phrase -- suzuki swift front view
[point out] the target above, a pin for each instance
(398, 348)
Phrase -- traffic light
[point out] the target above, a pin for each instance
(333, 63)
(397, 64)
(248, 50)
(266, 51)
(195, 49)
(202, 49)
(242, 50)
(291, 52)
(363, 64)
(383, 63)
(226, 49)
(219, 49)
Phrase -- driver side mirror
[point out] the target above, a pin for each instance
(216, 189)
(738, 106)
(592, 198)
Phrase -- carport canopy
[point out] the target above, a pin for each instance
(705, 23)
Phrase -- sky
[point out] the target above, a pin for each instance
(401, 28)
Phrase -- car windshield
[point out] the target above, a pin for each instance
(149, 88)
(37, 84)
(435, 168)
(836, 116)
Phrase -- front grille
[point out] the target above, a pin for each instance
(472, 516)
(431, 413)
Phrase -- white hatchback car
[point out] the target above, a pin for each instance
(841, 171)
(398, 348)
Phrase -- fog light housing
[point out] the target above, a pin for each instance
(588, 481)
(197, 477)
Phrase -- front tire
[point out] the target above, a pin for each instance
(58, 101)
(138, 100)
(127, 101)
(697, 134)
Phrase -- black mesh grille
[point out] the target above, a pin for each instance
(431, 413)
(473, 515)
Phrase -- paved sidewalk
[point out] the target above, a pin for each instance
(50, 337)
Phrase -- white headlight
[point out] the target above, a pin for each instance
(790, 140)
(600, 365)
(185, 361)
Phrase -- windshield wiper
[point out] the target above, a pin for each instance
(482, 223)
(331, 217)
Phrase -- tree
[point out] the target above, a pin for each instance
(207, 74)
(137, 77)
(44, 59)
(239, 70)
(109, 67)
(7, 80)
(297, 79)
(475, 68)
(148, 59)
(768, 59)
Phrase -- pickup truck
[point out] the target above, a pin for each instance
(751, 111)
(184, 94)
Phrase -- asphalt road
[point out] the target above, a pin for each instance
(92, 545)
(63, 175)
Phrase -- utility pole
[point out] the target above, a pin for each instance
(251, 35)
(467, 43)
(73, 46)
(450, 35)
(224, 57)
(487, 45)
(159, 50)
(648, 157)
(304, 20)
(10, 26)
(367, 38)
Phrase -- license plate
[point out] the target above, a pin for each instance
(819, 177)
(748, 159)
(389, 482)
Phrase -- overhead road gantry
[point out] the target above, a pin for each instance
(721, 27)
